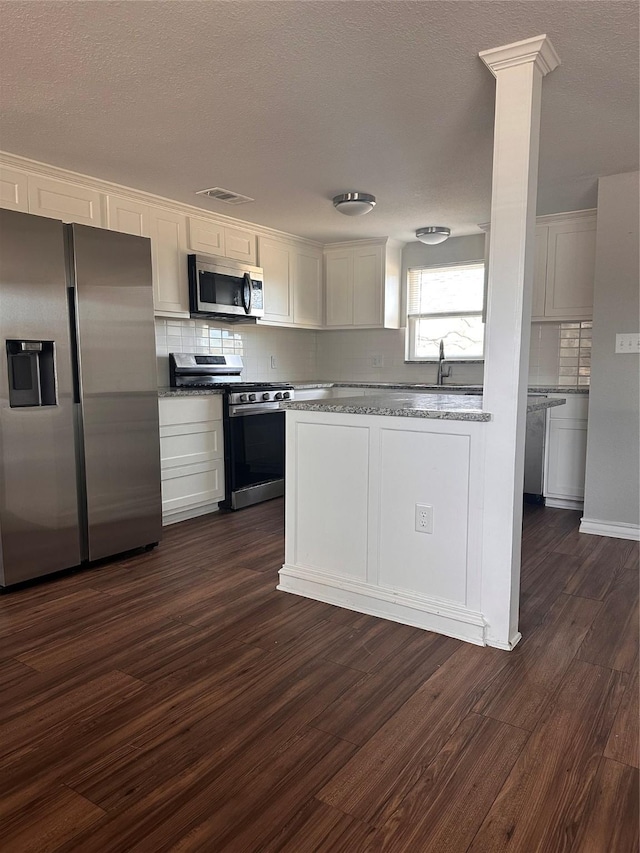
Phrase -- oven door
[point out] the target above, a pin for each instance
(254, 455)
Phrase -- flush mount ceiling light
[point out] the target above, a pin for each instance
(433, 235)
(354, 204)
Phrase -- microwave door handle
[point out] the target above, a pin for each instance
(247, 291)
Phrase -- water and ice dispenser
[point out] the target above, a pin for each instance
(32, 375)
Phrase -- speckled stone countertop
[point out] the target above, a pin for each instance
(417, 386)
(446, 407)
(188, 392)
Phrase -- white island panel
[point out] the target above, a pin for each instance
(433, 469)
(331, 482)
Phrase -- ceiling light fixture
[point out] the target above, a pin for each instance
(354, 204)
(433, 234)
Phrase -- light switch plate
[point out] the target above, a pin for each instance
(628, 342)
(377, 361)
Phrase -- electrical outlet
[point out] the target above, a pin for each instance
(424, 518)
(274, 362)
(629, 342)
(377, 361)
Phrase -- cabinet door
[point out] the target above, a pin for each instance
(68, 202)
(540, 273)
(307, 287)
(275, 259)
(127, 216)
(339, 286)
(14, 190)
(240, 244)
(367, 286)
(566, 458)
(570, 269)
(206, 236)
(169, 259)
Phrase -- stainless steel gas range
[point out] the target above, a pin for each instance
(253, 424)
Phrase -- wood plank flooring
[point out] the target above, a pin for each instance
(174, 700)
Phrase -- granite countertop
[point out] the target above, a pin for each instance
(417, 386)
(448, 407)
(188, 392)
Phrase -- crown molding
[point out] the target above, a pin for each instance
(35, 167)
(537, 50)
(551, 218)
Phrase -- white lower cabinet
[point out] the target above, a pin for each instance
(192, 456)
(566, 453)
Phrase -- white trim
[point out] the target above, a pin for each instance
(507, 647)
(420, 611)
(185, 514)
(36, 167)
(617, 530)
(537, 50)
(555, 218)
(564, 503)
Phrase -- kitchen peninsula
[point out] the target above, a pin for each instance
(384, 506)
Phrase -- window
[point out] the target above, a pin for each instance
(445, 303)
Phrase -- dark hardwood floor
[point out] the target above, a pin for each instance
(174, 700)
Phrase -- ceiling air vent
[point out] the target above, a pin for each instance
(220, 194)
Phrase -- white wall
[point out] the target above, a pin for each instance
(613, 455)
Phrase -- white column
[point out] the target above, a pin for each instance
(518, 69)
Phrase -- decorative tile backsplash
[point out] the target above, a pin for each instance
(560, 353)
(293, 351)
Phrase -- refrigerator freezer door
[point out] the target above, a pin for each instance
(38, 493)
(118, 388)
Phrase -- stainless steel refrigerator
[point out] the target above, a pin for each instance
(79, 438)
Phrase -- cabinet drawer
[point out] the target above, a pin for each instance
(187, 444)
(189, 410)
(576, 407)
(192, 486)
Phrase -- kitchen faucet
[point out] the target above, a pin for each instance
(443, 372)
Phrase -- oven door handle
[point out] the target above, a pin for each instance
(247, 295)
(244, 411)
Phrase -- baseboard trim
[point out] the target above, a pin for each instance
(564, 503)
(448, 619)
(185, 514)
(608, 528)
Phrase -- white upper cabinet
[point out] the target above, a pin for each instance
(307, 286)
(363, 284)
(65, 201)
(128, 216)
(571, 257)
(338, 266)
(292, 282)
(275, 258)
(540, 272)
(564, 266)
(14, 191)
(215, 238)
(169, 261)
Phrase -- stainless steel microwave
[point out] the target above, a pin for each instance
(224, 289)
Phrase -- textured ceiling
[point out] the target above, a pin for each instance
(293, 102)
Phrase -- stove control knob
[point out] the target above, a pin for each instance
(252, 398)
(265, 396)
(278, 396)
(286, 395)
(243, 398)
